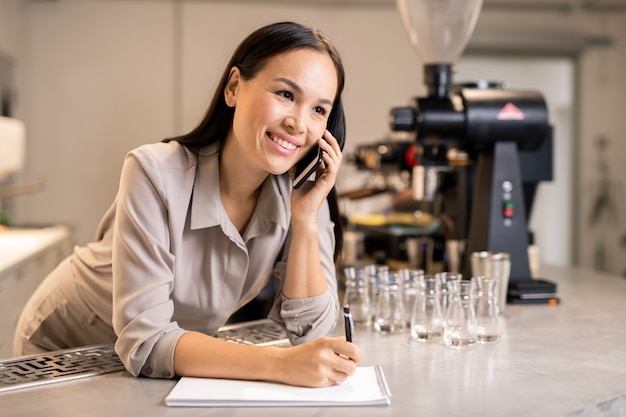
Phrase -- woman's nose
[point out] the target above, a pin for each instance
(295, 121)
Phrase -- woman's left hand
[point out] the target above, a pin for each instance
(306, 200)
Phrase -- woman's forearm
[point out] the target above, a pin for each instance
(304, 276)
(200, 355)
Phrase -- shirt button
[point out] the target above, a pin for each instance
(287, 307)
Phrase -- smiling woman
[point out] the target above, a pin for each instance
(283, 110)
(280, 114)
(202, 221)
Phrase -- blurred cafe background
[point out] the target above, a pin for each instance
(85, 81)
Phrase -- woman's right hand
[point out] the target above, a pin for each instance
(320, 363)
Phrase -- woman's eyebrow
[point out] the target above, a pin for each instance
(297, 88)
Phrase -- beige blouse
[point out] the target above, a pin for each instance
(178, 263)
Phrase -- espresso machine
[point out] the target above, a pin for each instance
(482, 148)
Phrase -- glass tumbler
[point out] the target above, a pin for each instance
(481, 264)
(493, 265)
(500, 270)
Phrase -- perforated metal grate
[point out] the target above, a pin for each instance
(50, 367)
(259, 332)
(63, 365)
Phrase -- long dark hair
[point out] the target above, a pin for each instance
(250, 57)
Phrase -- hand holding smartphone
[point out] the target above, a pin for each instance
(309, 164)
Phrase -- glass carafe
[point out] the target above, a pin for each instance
(460, 326)
(373, 273)
(411, 281)
(444, 278)
(390, 316)
(487, 309)
(426, 319)
(357, 296)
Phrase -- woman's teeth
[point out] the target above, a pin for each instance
(283, 143)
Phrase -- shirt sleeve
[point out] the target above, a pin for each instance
(306, 319)
(143, 276)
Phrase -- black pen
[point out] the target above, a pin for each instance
(348, 323)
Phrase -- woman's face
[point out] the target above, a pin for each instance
(281, 112)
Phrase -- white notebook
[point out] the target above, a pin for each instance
(366, 387)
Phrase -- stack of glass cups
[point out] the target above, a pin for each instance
(426, 319)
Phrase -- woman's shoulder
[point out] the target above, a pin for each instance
(165, 154)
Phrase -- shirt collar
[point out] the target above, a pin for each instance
(206, 204)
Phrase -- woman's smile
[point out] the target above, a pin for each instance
(284, 146)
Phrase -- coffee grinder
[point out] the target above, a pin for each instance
(495, 129)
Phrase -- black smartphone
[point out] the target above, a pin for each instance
(307, 166)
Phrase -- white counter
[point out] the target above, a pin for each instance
(18, 245)
(565, 360)
(26, 257)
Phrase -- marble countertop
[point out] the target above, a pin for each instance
(553, 360)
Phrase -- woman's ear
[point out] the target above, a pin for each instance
(230, 92)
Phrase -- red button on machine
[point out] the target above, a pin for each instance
(507, 209)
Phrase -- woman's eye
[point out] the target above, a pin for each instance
(320, 110)
(286, 94)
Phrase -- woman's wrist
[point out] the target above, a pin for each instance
(305, 225)
(273, 368)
